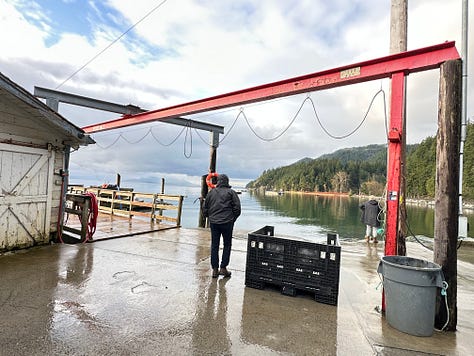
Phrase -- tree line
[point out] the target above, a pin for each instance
(362, 170)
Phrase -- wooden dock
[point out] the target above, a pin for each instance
(121, 213)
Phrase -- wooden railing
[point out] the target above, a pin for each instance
(158, 207)
(79, 205)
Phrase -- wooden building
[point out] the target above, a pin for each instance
(35, 143)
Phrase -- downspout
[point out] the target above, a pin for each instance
(464, 54)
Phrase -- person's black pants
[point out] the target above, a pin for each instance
(216, 231)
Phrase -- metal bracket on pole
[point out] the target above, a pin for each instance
(215, 139)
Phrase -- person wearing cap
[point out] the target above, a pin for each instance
(222, 208)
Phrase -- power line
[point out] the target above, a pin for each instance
(112, 43)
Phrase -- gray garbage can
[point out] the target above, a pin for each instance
(410, 287)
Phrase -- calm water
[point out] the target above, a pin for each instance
(305, 216)
(294, 215)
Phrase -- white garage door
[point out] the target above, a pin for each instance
(26, 176)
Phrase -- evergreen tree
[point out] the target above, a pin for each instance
(363, 169)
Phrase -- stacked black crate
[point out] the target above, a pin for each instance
(293, 265)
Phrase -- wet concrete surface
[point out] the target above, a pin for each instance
(153, 294)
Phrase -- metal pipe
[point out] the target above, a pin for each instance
(464, 55)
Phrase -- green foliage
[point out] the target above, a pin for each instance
(343, 171)
(421, 169)
(468, 172)
(363, 169)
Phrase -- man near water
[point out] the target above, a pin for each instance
(222, 207)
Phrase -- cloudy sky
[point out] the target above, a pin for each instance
(155, 54)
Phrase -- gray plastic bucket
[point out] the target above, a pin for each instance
(410, 287)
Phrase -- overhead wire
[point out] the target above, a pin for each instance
(111, 43)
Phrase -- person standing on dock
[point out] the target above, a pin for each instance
(222, 208)
(370, 217)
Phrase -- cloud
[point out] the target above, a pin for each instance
(187, 50)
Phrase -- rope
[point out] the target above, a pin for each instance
(445, 295)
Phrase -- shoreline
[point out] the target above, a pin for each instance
(430, 203)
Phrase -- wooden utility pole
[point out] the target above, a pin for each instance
(398, 43)
(212, 168)
(118, 180)
(447, 189)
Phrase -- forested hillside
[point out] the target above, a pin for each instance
(363, 170)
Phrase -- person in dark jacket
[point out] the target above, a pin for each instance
(222, 208)
(370, 217)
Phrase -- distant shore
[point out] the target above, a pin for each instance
(327, 194)
(419, 202)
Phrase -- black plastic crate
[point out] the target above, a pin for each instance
(294, 265)
(312, 260)
(265, 257)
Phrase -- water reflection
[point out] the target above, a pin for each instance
(326, 214)
(374, 253)
(79, 263)
(210, 326)
(312, 216)
(284, 324)
(28, 282)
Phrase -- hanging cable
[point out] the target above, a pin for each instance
(356, 128)
(150, 131)
(190, 134)
(138, 141)
(232, 126)
(112, 43)
(308, 98)
(284, 130)
(188, 128)
(172, 141)
(108, 146)
(196, 131)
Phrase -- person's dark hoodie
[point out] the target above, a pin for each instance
(370, 213)
(222, 204)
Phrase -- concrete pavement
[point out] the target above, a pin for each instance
(153, 294)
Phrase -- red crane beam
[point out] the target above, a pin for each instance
(406, 62)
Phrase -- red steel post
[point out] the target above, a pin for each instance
(394, 164)
(394, 161)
